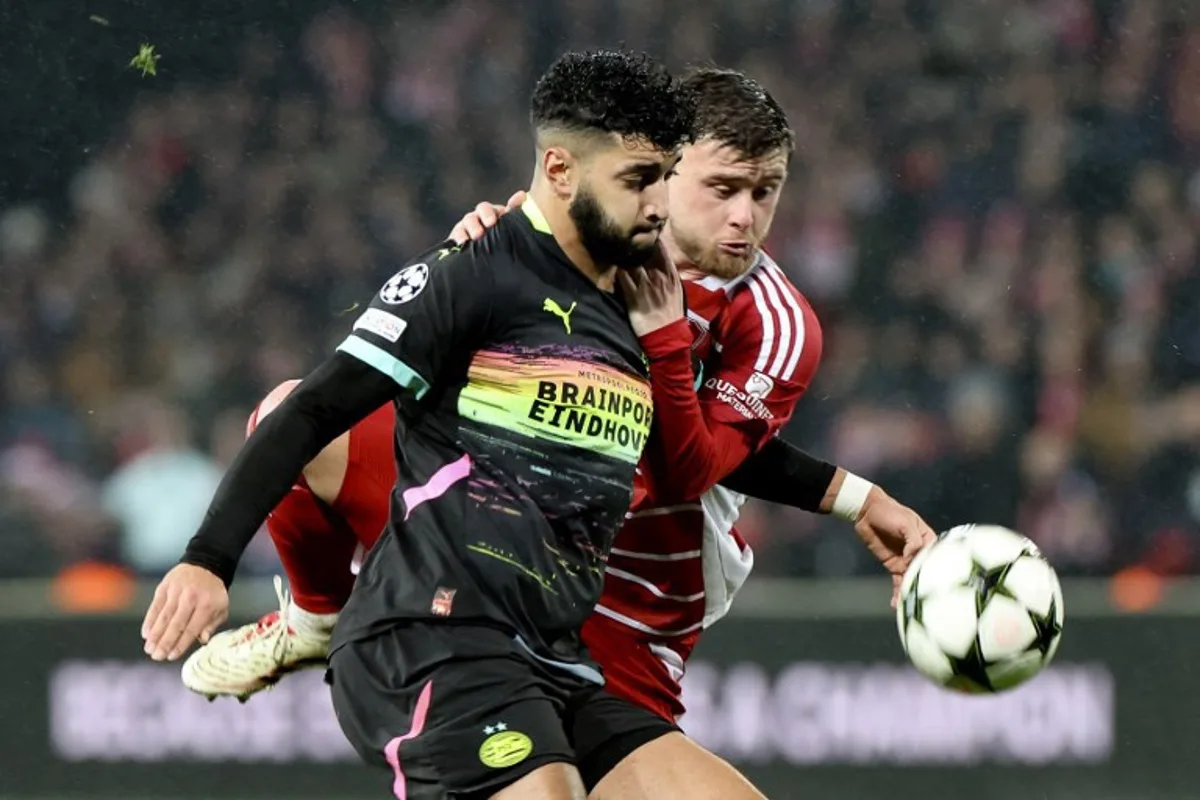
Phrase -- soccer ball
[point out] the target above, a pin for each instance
(980, 610)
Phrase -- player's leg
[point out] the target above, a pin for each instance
(315, 547)
(674, 766)
(626, 752)
(317, 551)
(551, 782)
(454, 711)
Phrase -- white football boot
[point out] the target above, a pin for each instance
(246, 660)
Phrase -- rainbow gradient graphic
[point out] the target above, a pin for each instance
(553, 397)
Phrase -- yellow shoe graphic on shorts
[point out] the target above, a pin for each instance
(246, 660)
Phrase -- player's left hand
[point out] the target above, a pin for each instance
(189, 605)
(475, 224)
(894, 534)
(653, 293)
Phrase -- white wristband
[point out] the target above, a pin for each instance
(851, 497)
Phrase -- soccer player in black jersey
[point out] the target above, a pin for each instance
(523, 405)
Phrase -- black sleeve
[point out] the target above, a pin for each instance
(784, 474)
(325, 405)
(431, 310)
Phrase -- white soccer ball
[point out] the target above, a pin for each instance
(981, 610)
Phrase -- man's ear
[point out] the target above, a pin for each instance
(561, 170)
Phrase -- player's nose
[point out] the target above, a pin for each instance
(654, 202)
(654, 209)
(741, 211)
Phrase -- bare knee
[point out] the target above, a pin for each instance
(673, 767)
(558, 781)
(270, 403)
(327, 471)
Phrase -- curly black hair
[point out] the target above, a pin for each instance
(612, 91)
(737, 111)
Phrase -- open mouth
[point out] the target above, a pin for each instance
(740, 249)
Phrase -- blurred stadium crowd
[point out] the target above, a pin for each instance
(993, 208)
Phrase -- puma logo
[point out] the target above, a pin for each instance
(554, 308)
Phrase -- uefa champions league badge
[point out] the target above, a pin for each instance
(405, 285)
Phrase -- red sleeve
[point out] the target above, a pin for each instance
(691, 456)
(771, 344)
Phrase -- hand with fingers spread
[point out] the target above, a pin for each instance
(189, 605)
(653, 293)
(894, 534)
(475, 223)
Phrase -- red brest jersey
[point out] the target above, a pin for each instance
(753, 344)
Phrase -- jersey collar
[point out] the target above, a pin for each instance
(536, 218)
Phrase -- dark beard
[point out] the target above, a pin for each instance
(604, 241)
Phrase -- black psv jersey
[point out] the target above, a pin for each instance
(525, 407)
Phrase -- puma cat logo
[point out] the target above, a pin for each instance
(554, 308)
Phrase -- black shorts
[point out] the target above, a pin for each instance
(462, 711)
(453, 710)
(607, 728)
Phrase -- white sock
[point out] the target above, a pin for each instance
(309, 622)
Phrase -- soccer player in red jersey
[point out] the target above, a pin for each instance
(725, 379)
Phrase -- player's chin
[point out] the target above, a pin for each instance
(637, 253)
(728, 266)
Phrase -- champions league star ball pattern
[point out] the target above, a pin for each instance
(405, 285)
(980, 610)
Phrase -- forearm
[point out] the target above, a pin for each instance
(330, 401)
(831, 491)
(783, 473)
